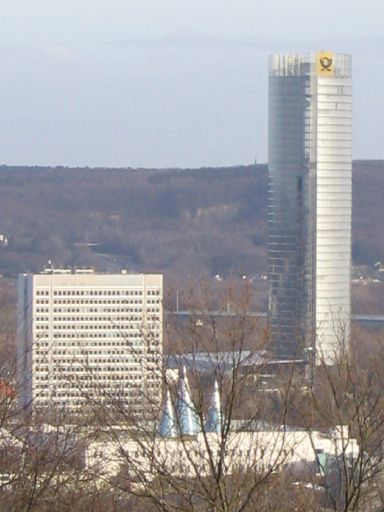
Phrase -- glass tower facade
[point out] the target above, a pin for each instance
(310, 199)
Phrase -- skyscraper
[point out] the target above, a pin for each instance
(85, 337)
(310, 200)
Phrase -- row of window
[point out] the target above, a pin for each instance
(73, 356)
(69, 370)
(45, 345)
(91, 301)
(114, 319)
(79, 365)
(131, 338)
(69, 394)
(96, 301)
(109, 326)
(85, 377)
(107, 309)
(73, 292)
(116, 334)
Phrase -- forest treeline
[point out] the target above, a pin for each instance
(180, 222)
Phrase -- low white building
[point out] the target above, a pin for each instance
(88, 338)
(144, 457)
(186, 445)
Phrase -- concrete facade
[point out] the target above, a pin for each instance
(85, 336)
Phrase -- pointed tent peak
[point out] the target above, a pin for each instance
(167, 425)
(213, 418)
(183, 383)
(183, 371)
(215, 396)
(186, 416)
(168, 402)
(182, 376)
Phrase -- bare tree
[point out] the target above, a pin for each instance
(347, 396)
(232, 434)
(214, 450)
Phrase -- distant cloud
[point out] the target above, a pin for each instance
(58, 51)
(190, 39)
(199, 40)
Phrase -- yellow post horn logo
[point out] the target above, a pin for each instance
(325, 63)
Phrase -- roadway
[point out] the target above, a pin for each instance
(374, 320)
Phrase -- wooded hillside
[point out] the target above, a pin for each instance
(180, 222)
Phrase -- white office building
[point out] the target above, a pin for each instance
(310, 203)
(87, 339)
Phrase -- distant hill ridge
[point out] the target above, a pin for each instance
(176, 221)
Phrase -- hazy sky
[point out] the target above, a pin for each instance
(165, 83)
